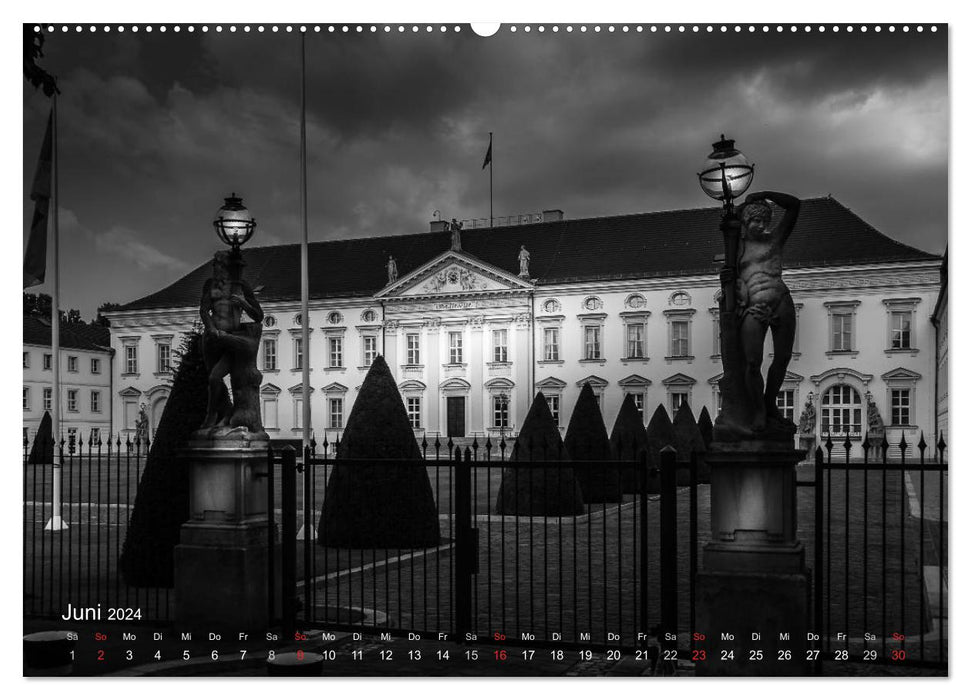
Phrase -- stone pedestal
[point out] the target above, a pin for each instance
(753, 590)
(221, 563)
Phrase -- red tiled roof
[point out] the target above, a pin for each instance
(78, 336)
(654, 244)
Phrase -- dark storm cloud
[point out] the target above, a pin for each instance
(156, 129)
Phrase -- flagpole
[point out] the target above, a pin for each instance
(56, 523)
(492, 157)
(304, 280)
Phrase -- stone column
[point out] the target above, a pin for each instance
(754, 579)
(433, 365)
(221, 563)
(525, 393)
(478, 356)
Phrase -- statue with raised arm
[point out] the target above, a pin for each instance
(230, 346)
(523, 262)
(763, 303)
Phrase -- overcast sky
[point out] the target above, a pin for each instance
(155, 129)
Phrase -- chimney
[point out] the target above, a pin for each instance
(552, 215)
(437, 226)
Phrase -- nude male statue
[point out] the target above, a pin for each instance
(764, 300)
(230, 346)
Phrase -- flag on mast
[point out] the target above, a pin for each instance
(488, 155)
(35, 257)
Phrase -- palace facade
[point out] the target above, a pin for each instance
(474, 324)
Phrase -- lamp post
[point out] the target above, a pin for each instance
(725, 176)
(222, 559)
(753, 583)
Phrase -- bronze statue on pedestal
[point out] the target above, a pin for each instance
(755, 300)
(230, 346)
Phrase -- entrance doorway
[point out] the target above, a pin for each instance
(455, 412)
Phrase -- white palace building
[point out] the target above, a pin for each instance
(472, 329)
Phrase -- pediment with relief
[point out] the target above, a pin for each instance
(453, 273)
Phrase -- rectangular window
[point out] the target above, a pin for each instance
(131, 414)
(680, 347)
(678, 398)
(131, 359)
(370, 349)
(337, 413)
(94, 437)
(500, 349)
(900, 407)
(842, 324)
(900, 329)
(96, 402)
(297, 413)
(336, 352)
(72, 439)
(500, 411)
(26, 360)
(72, 400)
(269, 354)
(271, 410)
(414, 355)
(48, 398)
(591, 342)
(26, 399)
(551, 344)
(413, 404)
(635, 340)
(298, 354)
(164, 358)
(95, 365)
(47, 360)
(455, 347)
(786, 402)
(553, 401)
(72, 363)
(639, 402)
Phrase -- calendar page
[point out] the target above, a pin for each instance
(526, 349)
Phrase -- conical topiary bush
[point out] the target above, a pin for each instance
(628, 440)
(162, 501)
(586, 440)
(660, 434)
(534, 489)
(42, 451)
(687, 439)
(372, 504)
(707, 429)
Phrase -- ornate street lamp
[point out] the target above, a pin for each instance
(233, 222)
(725, 176)
(726, 173)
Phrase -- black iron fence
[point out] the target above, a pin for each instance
(880, 552)
(622, 566)
(615, 572)
(75, 522)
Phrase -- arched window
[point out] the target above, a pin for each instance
(842, 410)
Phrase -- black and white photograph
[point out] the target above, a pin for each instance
(532, 349)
